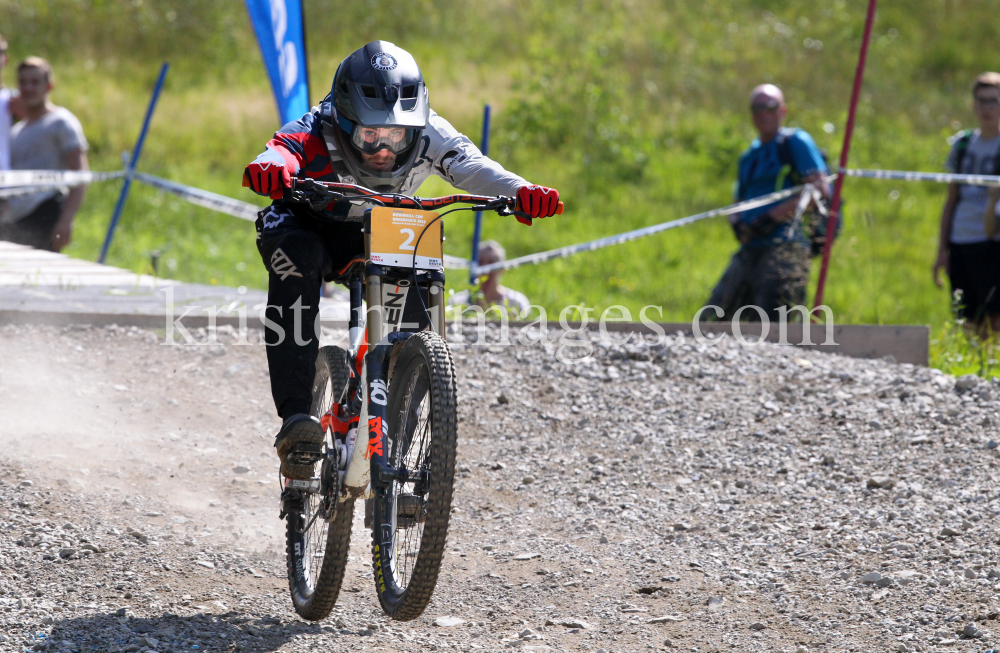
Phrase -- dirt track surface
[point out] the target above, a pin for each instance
(668, 498)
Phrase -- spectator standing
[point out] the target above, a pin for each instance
(490, 292)
(771, 268)
(48, 138)
(968, 245)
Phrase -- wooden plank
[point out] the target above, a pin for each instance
(143, 320)
(904, 343)
(899, 343)
(25, 266)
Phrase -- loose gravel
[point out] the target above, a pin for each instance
(674, 496)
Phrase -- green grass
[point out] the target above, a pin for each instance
(958, 351)
(635, 111)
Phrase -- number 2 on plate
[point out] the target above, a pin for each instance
(406, 243)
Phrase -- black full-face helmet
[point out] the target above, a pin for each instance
(379, 102)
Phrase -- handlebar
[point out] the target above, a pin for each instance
(331, 191)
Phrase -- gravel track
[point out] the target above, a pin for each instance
(674, 497)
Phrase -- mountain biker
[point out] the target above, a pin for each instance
(376, 129)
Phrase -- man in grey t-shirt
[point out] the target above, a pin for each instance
(49, 138)
(967, 248)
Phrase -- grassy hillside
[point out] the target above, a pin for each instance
(635, 110)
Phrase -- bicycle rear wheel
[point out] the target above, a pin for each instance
(410, 520)
(316, 550)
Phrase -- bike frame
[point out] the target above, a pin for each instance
(368, 467)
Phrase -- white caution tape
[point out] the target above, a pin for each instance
(25, 182)
(455, 262)
(204, 198)
(939, 177)
(19, 182)
(811, 196)
(541, 257)
(618, 239)
(41, 179)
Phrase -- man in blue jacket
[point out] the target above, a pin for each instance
(771, 268)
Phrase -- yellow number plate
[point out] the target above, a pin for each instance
(394, 238)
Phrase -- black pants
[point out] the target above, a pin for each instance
(35, 229)
(974, 270)
(298, 253)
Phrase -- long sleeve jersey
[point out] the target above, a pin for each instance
(308, 149)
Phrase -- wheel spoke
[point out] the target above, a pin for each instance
(412, 451)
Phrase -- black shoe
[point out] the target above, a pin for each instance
(300, 446)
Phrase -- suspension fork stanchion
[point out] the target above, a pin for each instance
(373, 288)
(436, 292)
(354, 329)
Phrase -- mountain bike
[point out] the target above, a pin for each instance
(388, 407)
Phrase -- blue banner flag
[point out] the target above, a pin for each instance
(280, 29)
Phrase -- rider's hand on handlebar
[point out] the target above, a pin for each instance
(267, 178)
(537, 201)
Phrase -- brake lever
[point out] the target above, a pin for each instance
(521, 216)
(317, 197)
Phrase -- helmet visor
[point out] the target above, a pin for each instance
(372, 139)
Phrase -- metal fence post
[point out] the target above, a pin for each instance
(130, 168)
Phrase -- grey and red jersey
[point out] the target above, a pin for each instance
(308, 149)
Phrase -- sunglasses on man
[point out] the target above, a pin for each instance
(988, 101)
(770, 105)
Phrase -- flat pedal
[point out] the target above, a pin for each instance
(304, 453)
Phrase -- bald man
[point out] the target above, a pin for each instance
(771, 268)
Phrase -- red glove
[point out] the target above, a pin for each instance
(537, 201)
(267, 178)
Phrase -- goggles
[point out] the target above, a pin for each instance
(372, 139)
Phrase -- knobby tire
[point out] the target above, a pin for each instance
(422, 434)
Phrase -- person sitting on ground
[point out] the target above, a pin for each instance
(49, 138)
(771, 268)
(968, 244)
(490, 292)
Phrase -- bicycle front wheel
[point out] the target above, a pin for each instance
(410, 520)
(316, 550)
